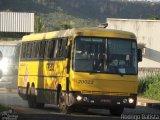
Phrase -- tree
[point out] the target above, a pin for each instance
(67, 25)
(153, 17)
(38, 26)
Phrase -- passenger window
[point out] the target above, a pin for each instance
(42, 49)
(49, 51)
(62, 45)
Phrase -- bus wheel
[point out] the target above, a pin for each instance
(64, 108)
(117, 111)
(81, 109)
(32, 100)
(40, 105)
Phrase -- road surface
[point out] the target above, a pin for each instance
(51, 112)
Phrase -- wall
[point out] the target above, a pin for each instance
(147, 32)
(16, 22)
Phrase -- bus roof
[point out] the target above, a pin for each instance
(94, 31)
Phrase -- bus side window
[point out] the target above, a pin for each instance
(52, 49)
(49, 49)
(42, 49)
(34, 50)
(23, 51)
(46, 50)
(59, 48)
(62, 45)
(55, 49)
(37, 49)
(27, 50)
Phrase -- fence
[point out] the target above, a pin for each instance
(144, 72)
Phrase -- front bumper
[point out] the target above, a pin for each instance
(102, 101)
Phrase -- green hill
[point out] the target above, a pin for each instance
(54, 14)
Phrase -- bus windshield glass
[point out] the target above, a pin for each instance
(106, 55)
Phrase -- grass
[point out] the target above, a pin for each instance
(3, 108)
(149, 87)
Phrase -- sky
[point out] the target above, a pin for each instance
(144, 0)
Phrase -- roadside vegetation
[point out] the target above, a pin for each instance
(149, 87)
(59, 14)
(60, 21)
(3, 108)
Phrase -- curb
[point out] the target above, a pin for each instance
(149, 104)
(142, 104)
(4, 90)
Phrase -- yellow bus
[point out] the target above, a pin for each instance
(79, 69)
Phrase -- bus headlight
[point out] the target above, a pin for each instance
(79, 98)
(131, 100)
(124, 100)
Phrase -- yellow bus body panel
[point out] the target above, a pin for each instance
(99, 83)
(45, 75)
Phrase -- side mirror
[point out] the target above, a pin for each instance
(1, 55)
(139, 55)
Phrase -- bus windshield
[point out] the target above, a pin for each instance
(106, 55)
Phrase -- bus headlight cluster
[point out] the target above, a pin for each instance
(130, 100)
(79, 98)
(124, 100)
(85, 99)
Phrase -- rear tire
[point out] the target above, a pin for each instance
(117, 111)
(40, 105)
(81, 109)
(32, 99)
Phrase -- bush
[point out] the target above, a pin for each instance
(3, 108)
(150, 87)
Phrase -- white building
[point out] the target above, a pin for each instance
(148, 36)
(16, 22)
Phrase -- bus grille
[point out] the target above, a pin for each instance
(105, 93)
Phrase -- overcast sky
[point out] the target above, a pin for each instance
(144, 0)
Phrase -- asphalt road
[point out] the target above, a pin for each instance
(51, 112)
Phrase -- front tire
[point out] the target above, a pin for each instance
(63, 107)
(117, 111)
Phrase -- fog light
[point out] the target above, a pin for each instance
(79, 98)
(130, 100)
(124, 100)
(85, 99)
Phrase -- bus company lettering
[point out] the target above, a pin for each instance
(50, 66)
(85, 81)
